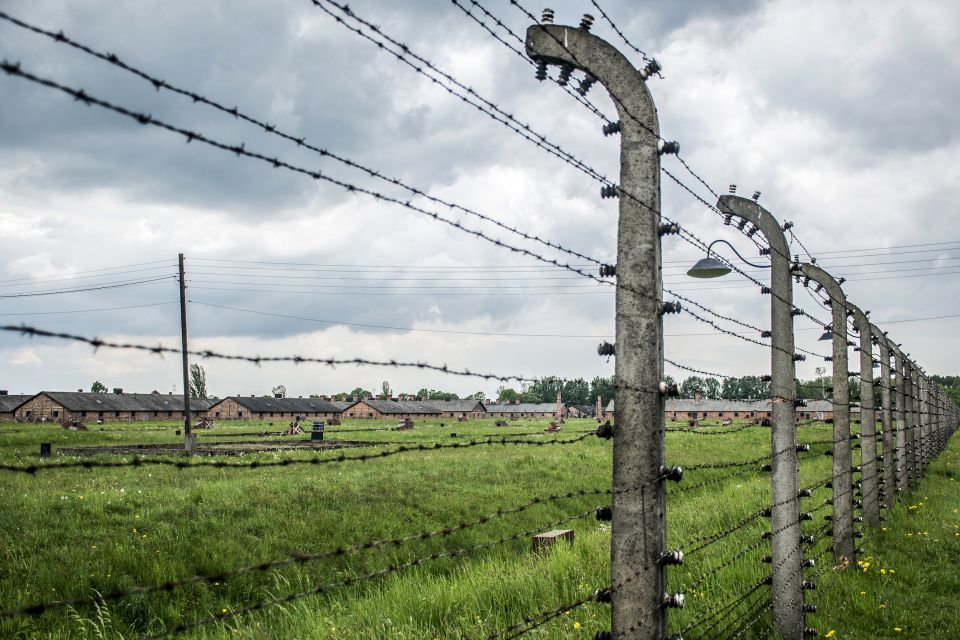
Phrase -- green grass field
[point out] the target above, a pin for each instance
(78, 533)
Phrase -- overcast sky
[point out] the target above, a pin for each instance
(842, 114)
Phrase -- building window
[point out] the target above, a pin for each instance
(703, 415)
(239, 414)
(99, 414)
(218, 414)
(736, 414)
(116, 414)
(83, 414)
(56, 414)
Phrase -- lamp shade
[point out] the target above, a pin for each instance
(708, 268)
(827, 335)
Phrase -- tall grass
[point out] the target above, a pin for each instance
(77, 533)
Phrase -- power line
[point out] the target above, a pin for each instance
(412, 293)
(161, 264)
(117, 285)
(381, 326)
(71, 311)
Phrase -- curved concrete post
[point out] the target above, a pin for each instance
(638, 536)
(889, 478)
(868, 420)
(902, 416)
(913, 432)
(843, 546)
(925, 456)
(787, 577)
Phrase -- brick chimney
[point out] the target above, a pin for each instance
(118, 391)
(696, 397)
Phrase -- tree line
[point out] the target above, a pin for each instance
(577, 391)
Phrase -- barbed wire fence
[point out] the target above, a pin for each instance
(916, 417)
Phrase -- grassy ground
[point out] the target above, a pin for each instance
(76, 533)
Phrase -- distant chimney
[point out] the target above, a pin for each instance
(277, 396)
(422, 398)
(3, 392)
(118, 391)
(696, 397)
(79, 390)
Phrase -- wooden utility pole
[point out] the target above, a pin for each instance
(189, 441)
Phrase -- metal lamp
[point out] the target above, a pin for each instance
(712, 268)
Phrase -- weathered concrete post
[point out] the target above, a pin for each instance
(902, 415)
(843, 546)
(638, 537)
(787, 583)
(924, 423)
(913, 430)
(886, 418)
(869, 477)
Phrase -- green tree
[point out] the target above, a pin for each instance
(692, 386)
(711, 389)
(387, 391)
(479, 395)
(505, 394)
(98, 387)
(576, 391)
(198, 381)
(603, 387)
(544, 389)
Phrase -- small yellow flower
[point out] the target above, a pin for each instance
(863, 593)
(577, 625)
(830, 633)
(223, 610)
(897, 629)
(883, 606)
(883, 572)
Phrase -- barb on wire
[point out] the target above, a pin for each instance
(219, 464)
(582, 99)
(703, 432)
(324, 588)
(698, 371)
(300, 558)
(241, 151)
(424, 67)
(97, 343)
(536, 620)
(705, 483)
(161, 84)
(603, 14)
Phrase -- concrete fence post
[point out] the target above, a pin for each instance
(638, 535)
(902, 468)
(843, 546)
(889, 478)
(787, 579)
(913, 402)
(869, 478)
